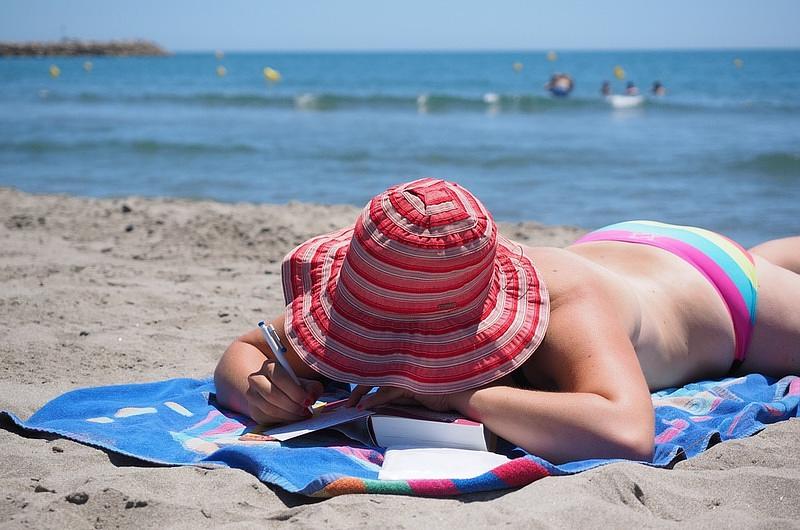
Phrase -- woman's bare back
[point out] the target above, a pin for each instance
(677, 322)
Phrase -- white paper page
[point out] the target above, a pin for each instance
(427, 462)
(317, 422)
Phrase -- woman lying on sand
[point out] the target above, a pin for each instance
(555, 350)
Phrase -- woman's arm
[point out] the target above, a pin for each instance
(249, 381)
(562, 426)
(558, 426)
(602, 408)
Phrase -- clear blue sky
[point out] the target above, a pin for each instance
(411, 24)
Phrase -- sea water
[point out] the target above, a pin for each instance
(721, 149)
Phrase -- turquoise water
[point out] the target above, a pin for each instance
(721, 149)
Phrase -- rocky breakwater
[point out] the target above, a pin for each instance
(79, 47)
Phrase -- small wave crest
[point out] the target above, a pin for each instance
(494, 157)
(323, 101)
(137, 146)
(425, 102)
(706, 104)
(780, 164)
(209, 99)
(512, 103)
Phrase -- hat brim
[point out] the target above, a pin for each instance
(358, 347)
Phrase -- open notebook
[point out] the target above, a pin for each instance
(420, 443)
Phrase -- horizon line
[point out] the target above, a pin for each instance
(482, 50)
(678, 48)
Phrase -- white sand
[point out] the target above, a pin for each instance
(164, 298)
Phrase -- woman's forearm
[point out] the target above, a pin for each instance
(562, 426)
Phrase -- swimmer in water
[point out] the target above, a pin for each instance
(560, 85)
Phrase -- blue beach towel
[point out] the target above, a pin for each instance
(176, 422)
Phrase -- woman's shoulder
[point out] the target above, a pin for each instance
(583, 290)
(592, 318)
(569, 275)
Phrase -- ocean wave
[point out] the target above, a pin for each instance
(485, 161)
(425, 102)
(490, 157)
(709, 104)
(324, 101)
(780, 164)
(204, 99)
(136, 146)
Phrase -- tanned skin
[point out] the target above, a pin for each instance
(625, 320)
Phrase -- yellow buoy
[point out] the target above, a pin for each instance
(619, 72)
(219, 54)
(271, 74)
(55, 71)
(518, 66)
(88, 66)
(738, 63)
(221, 71)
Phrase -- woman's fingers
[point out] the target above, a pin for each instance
(267, 392)
(313, 389)
(280, 378)
(385, 394)
(270, 400)
(356, 394)
(263, 411)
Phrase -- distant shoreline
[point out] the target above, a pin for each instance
(74, 47)
(447, 51)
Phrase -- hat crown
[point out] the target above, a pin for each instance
(435, 202)
(421, 248)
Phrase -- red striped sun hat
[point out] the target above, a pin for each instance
(422, 293)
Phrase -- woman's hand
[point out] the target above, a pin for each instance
(249, 381)
(399, 396)
(272, 396)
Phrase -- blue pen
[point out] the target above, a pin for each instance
(279, 350)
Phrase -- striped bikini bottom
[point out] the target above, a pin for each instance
(729, 267)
